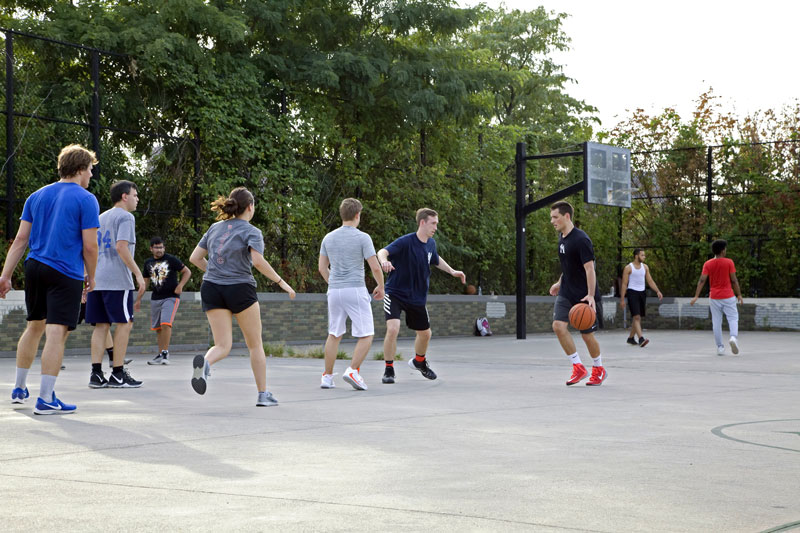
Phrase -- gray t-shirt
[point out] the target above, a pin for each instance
(346, 248)
(112, 274)
(228, 243)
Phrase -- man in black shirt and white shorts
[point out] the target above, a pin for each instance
(578, 283)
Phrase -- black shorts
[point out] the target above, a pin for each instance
(416, 315)
(563, 306)
(235, 298)
(51, 295)
(637, 302)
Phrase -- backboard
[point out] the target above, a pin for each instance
(607, 175)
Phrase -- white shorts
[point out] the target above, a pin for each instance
(353, 302)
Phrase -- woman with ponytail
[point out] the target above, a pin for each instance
(233, 247)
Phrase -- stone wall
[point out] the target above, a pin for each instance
(304, 320)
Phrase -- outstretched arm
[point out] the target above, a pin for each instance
(555, 287)
(323, 266)
(623, 286)
(383, 259)
(651, 283)
(185, 275)
(700, 283)
(377, 273)
(447, 268)
(15, 253)
(736, 289)
(591, 284)
(125, 254)
(198, 258)
(263, 266)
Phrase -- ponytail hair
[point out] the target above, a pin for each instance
(234, 205)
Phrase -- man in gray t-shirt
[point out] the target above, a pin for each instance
(112, 301)
(341, 264)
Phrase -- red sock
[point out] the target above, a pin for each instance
(389, 363)
(419, 358)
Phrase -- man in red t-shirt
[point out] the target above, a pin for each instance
(721, 274)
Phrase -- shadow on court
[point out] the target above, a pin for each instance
(676, 439)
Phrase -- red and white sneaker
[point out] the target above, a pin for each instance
(598, 376)
(579, 372)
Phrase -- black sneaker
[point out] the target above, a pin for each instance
(631, 340)
(423, 368)
(98, 381)
(125, 381)
(388, 375)
(643, 342)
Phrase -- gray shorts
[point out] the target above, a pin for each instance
(561, 312)
(162, 312)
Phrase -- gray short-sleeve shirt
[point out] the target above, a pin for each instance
(347, 248)
(112, 274)
(228, 243)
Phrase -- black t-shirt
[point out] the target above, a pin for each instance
(163, 274)
(573, 251)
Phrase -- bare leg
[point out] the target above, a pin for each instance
(564, 337)
(250, 323)
(331, 349)
(422, 340)
(100, 341)
(164, 335)
(390, 340)
(109, 340)
(28, 343)
(122, 333)
(53, 351)
(591, 344)
(221, 324)
(360, 351)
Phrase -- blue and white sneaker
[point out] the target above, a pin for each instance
(19, 395)
(202, 371)
(56, 407)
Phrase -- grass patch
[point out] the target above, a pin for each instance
(274, 349)
(281, 350)
(379, 356)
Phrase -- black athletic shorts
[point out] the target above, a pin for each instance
(235, 298)
(51, 295)
(416, 315)
(637, 302)
(563, 305)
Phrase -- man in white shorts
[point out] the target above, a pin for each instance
(341, 263)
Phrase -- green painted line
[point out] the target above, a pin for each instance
(784, 527)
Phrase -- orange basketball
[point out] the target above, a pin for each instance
(581, 316)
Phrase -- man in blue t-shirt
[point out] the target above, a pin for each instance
(578, 283)
(59, 223)
(407, 290)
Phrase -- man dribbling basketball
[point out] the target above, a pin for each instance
(578, 283)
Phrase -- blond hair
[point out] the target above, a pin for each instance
(73, 159)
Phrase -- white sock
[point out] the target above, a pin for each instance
(22, 377)
(597, 361)
(575, 358)
(47, 387)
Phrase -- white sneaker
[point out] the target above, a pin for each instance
(327, 381)
(734, 345)
(352, 376)
(720, 350)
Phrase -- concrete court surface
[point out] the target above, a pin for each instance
(676, 439)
